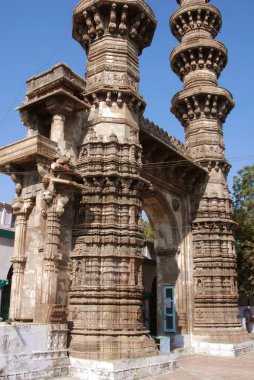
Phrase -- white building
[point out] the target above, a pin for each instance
(6, 252)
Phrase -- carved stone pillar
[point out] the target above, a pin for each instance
(21, 209)
(59, 109)
(57, 128)
(202, 108)
(56, 205)
(51, 255)
(30, 120)
(106, 295)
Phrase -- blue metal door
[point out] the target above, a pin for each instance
(169, 309)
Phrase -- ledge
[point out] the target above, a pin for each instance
(27, 150)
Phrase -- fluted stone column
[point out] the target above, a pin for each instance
(202, 108)
(106, 293)
(55, 203)
(57, 127)
(51, 255)
(21, 209)
(59, 109)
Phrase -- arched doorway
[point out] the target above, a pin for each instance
(161, 268)
(6, 295)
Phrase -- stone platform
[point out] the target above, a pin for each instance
(197, 367)
(122, 369)
(38, 351)
(189, 344)
(33, 351)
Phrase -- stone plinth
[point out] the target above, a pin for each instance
(33, 351)
(122, 369)
(189, 344)
(200, 345)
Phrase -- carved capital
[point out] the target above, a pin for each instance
(59, 107)
(18, 263)
(23, 206)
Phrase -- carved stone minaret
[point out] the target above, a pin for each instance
(106, 292)
(202, 108)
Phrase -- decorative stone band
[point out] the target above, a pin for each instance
(113, 157)
(208, 102)
(214, 207)
(199, 54)
(210, 164)
(132, 18)
(203, 19)
(113, 96)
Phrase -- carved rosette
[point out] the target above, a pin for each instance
(202, 108)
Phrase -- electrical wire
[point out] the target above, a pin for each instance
(152, 165)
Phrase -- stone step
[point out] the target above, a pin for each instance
(62, 378)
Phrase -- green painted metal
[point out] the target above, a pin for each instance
(5, 302)
(7, 234)
(3, 283)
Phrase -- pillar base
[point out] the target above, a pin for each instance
(189, 344)
(122, 369)
(225, 335)
(200, 345)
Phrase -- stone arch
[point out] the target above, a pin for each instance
(167, 242)
(163, 221)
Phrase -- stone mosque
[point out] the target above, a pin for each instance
(89, 165)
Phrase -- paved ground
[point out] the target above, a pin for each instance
(201, 367)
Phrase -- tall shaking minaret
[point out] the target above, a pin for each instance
(107, 290)
(202, 108)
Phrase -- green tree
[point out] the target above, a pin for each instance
(243, 194)
(148, 231)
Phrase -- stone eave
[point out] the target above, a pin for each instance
(211, 220)
(199, 90)
(196, 43)
(77, 103)
(193, 7)
(28, 150)
(86, 4)
(162, 137)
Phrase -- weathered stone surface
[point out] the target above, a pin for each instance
(202, 107)
(88, 167)
(121, 370)
(33, 351)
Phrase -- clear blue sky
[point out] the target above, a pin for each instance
(35, 35)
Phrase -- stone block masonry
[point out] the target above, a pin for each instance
(89, 165)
